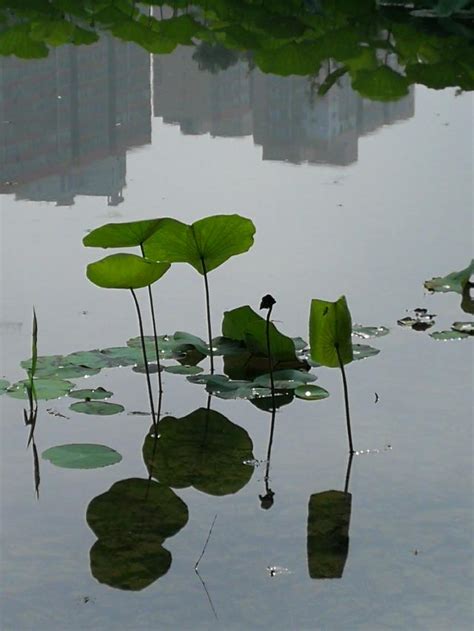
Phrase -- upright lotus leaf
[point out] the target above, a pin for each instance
(244, 325)
(136, 507)
(203, 449)
(121, 235)
(125, 271)
(329, 515)
(456, 281)
(130, 562)
(330, 330)
(205, 244)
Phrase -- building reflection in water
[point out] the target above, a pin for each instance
(284, 114)
(67, 121)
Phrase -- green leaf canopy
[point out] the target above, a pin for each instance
(330, 329)
(125, 271)
(244, 325)
(329, 515)
(205, 244)
(121, 235)
(203, 449)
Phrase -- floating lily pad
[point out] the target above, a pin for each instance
(366, 332)
(98, 408)
(81, 456)
(75, 372)
(363, 351)
(464, 327)
(266, 403)
(136, 508)
(183, 370)
(118, 356)
(284, 379)
(3, 385)
(44, 388)
(141, 369)
(311, 393)
(130, 562)
(46, 365)
(93, 394)
(203, 449)
(452, 282)
(444, 336)
(91, 359)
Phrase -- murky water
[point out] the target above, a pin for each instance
(348, 197)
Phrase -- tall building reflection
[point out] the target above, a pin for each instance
(67, 121)
(284, 114)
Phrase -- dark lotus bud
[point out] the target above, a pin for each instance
(267, 302)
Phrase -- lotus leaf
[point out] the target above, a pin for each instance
(285, 379)
(183, 370)
(121, 235)
(44, 388)
(97, 408)
(81, 456)
(205, 244)
(311, 393)
(330, 330)
(125, 271)
(89, 359)
(381, 84)
(3, 385)
(445, 336)
(203, 449)
(366, 332)
(455, 281)
(93, 394)
(136, 507)
(363, 351)
(464, 327)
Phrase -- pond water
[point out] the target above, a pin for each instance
(348, 196)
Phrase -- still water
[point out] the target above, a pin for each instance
(348, 197)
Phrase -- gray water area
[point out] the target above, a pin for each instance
(348, 197)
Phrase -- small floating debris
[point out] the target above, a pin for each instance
(363, 452)
(277, 570)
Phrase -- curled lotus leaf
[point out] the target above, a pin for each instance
(3, 385)
(97, 408)
(455, 281)
(126, 234)
(44, 388)
(464, 327)
(81, 456)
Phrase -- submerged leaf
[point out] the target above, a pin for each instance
(81, 456)
(330, 330)
(203, 449)
(205, 244)
(125, 271)
(97, 408)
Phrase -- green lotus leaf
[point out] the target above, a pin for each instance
(203, 449)
(125, 271)
(366, 332)
(152, 369)
(266, 403)
(97, 408)
(381, 84)
(363, 351)
(118, 356)
(183, 370)
(92, 393)
(456, 281)
(3, 385)
(285, 379)
(246, 326)
(205, 244)
(185, 340)
(129, 562)
(330, 330)
(81, 456)
(73, 372)
(329, 515)
(311, 393)
(89, 359)
(46, 364)
(121, 235)
(136, 508)
(463, 327)
(445, 336)
(44, 388)
(300, 344)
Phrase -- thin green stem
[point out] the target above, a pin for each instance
(145, 359)
(155, 334)
(346, 400)
(208, 311)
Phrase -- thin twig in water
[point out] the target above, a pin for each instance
(205, 545)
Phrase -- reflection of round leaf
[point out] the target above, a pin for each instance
(3, 385)
(131, 563)
(311, 393)
(98, 408)
(81, 456)
(44, 388)
(93, 394)
(204, 450)
(136, 507)
(382, 84)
